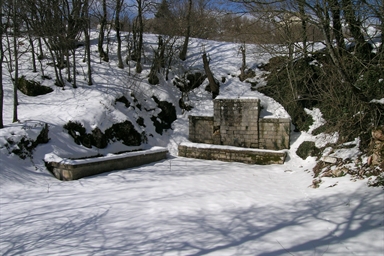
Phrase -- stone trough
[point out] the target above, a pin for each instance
(68, 169)
(231, 154)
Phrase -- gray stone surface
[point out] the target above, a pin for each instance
(236, 122)
(73, 170)
(228, 154)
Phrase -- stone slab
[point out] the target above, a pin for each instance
(231, 154)
(67, 169)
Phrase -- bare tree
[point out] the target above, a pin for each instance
(183, 52)
(242, 50)
(11, 30)
(103, 23)
(87, 42)
(59, 25)
(1, 67)
(303, 18)
(117, 24)
(212, 81)
(140, 30)
(162, 54)
(32, 44)
(16, 58)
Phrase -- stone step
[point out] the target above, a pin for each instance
(231, 154)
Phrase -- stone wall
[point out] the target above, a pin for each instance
(274, 133)
(237, 122)
(201, 129)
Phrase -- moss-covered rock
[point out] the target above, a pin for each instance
(76, 130)
(189, 81)
(126, 133)
(307, 148)
(163, 121)
(32, 88)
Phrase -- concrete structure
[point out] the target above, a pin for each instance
(67, 169)
(274, 133)
(236, 122)
(231, 154)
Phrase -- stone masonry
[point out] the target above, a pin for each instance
(201, 129)
(236, 122)
(274, 133)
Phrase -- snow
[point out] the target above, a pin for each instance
(381, 101)
(51, 157)
(350, 153)
(177, 206)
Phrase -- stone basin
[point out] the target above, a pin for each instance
(69, 169)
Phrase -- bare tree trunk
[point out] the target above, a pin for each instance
(183, 53)
(40, 57)
(303, 17)
(87, 42)
(336, 25)
(161, 46)
(244, 63)
(362, 47)
(74, 85)
(59, 59)
(33, 54)
(69, 79)
(1, 68)
(170, 58)
(212, 82)
(332, 53)
(41, 53)
(139, 67)
(59, 79)
(381, 18)
(103, 55)
(88, 49)
(10, 57)
(16, 77)
(118, 37)
(30, 39)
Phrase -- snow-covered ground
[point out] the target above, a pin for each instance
(177, 206)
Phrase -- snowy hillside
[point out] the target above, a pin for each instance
(177, 206)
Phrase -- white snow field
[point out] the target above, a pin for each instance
(177, 206)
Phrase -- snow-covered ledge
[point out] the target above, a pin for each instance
(68, 169)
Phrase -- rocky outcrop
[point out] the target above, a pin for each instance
(32, 88)
(124, 132)
(163, 121)
(23, 143)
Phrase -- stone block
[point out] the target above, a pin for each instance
(231, 154)
(66, 169)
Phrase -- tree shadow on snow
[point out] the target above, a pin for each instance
(149, 223)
